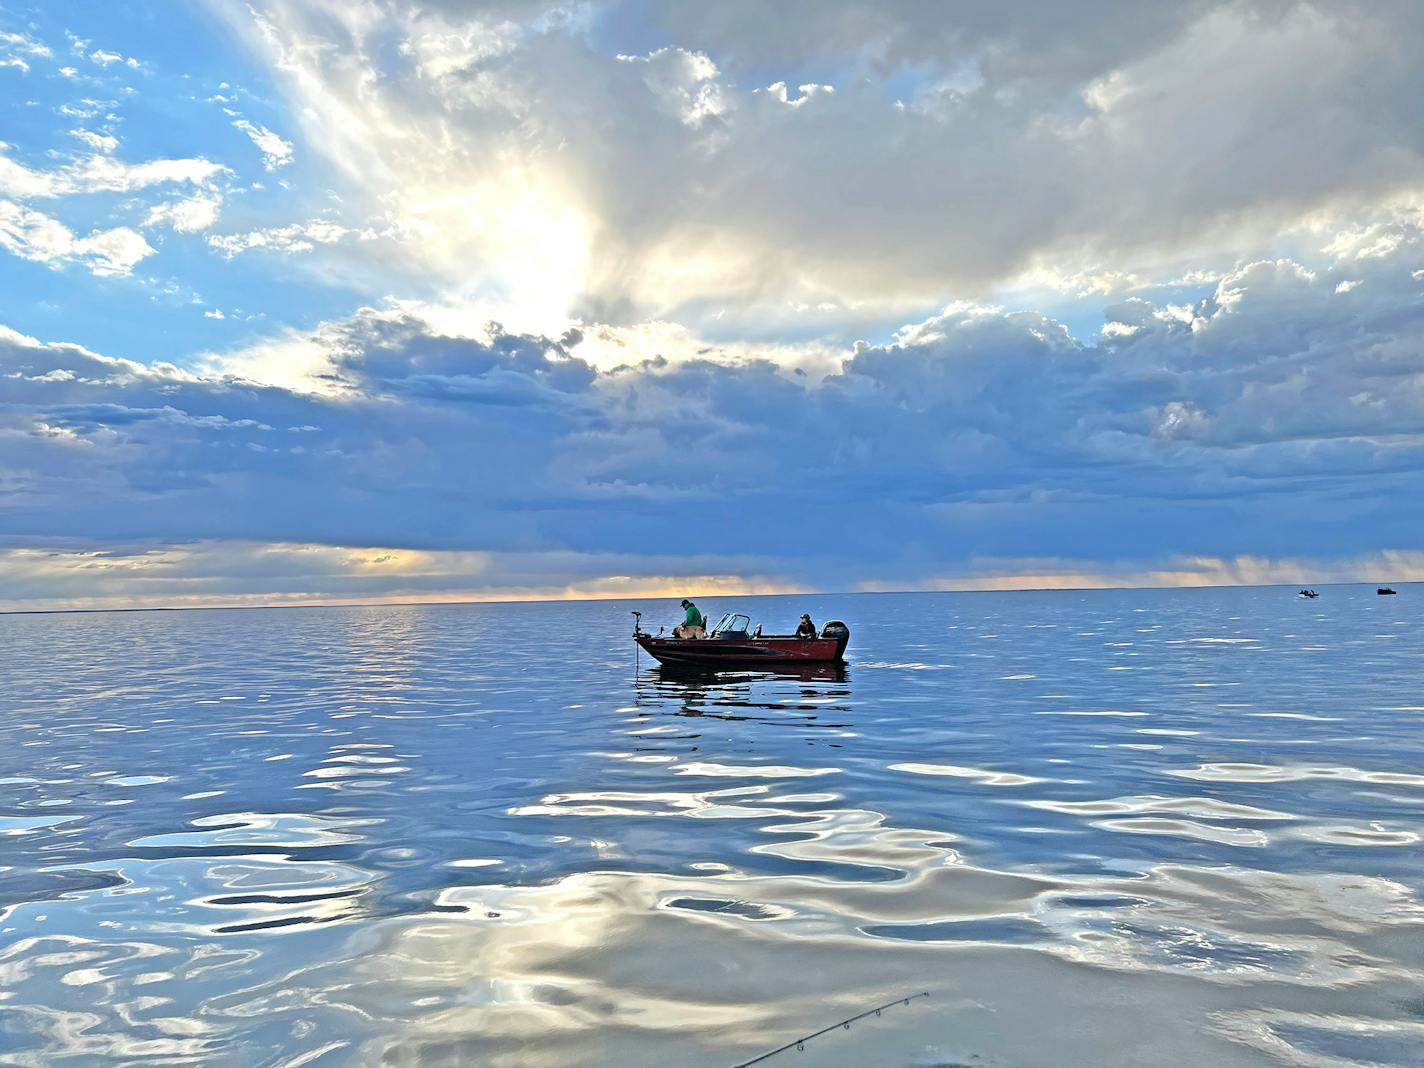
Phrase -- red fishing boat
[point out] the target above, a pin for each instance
(733, 643)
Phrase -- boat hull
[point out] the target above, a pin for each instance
(743, 652)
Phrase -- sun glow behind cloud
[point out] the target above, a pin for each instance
(522, 222)
(510, 149)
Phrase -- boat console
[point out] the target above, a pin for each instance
(732, 627)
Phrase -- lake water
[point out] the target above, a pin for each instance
(1096, 828)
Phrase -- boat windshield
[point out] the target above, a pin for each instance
(733, 623)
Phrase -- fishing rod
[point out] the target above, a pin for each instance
(800, 1043)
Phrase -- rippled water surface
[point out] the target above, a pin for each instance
(1102, 828)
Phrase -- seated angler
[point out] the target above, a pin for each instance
(806, 629)
(693, 624)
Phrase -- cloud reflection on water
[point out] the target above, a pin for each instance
(528, 857)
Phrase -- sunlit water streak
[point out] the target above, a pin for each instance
(1107, 828)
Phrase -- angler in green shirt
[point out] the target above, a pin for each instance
(694, 625)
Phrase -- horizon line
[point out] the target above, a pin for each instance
(654, 597)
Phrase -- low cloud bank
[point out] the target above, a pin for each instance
(248, 575)
(1281, 417)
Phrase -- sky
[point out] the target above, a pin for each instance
(308, 301)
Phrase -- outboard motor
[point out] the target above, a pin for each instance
(834, 628)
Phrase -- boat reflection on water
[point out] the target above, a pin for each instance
(688, 674)
(801, 695)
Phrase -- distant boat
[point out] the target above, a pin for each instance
(733, 643)
(1385, 591)
(1309, 593)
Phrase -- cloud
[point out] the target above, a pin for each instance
(19, 181)
(1388, 565)
(32, 235)
(102, 174)
(296, 237)
(963, 149)
(97, 141)
(1274, 419)
(224, 573)
(188, 216)
(15, 47)
(275, 151)
(199, 574)
(682, 249)
(1039, 41)
(106, 59)
(49, 236)
(685, 82)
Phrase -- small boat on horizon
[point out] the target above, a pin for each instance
(1309, 593)
(734, 643)
(1385, 591)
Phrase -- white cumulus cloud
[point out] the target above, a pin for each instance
(297, 237)
(99, 142)
(102, 174)
(276, 152)
(105, 59)
(15, 47)
(188, 216)
(32, 235)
